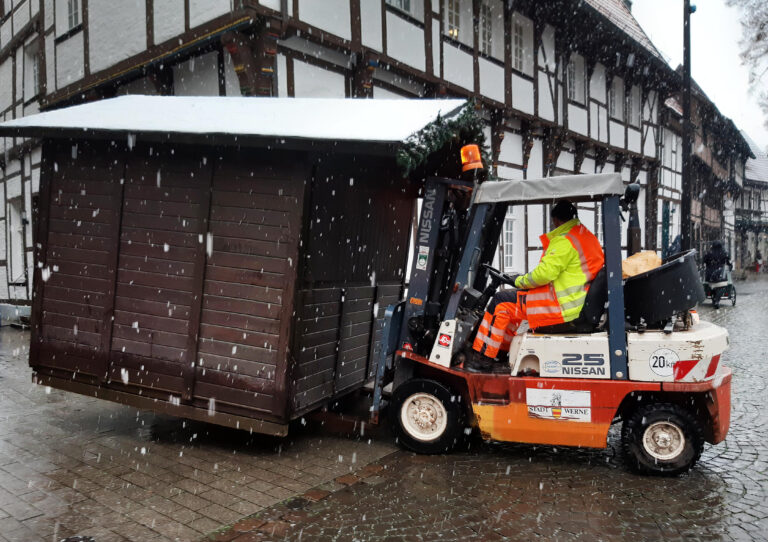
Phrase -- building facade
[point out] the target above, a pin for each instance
(566, 86)
(752, 211)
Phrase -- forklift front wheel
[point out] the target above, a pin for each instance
(663, 438)
(426, 416)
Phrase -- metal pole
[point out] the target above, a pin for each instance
(685, 207)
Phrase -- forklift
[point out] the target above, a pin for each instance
(637, 354)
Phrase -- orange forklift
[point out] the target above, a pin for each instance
(636, 355)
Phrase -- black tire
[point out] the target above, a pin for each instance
(733, 295)
(679, 432)
(426, 416)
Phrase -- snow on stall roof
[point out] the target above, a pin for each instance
(382, 121)
(757, 167)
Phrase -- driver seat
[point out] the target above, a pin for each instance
(591, 312)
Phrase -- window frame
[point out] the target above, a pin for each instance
(518, 46)
(576, 94)
(453, 19)
(73, 14)
(485, 28)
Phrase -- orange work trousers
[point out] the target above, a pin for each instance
(504, 315)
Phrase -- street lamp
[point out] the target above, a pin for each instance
(685, 204)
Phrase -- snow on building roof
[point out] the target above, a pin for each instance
(378, 121)
(617, 12)
(756, 168)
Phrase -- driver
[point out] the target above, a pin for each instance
(553, 293)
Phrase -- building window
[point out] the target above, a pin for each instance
(73, 13)
(577, 81)
(509, 256)
(403, 5)
(454, 18)
(518, 45)
(616, 99)
(486, 29)
(31, 72)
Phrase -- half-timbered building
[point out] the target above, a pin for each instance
(566, 86)
(752, 210)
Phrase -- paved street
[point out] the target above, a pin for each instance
(515, 492)
(70, 465)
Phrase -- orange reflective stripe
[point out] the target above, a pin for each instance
(582, 258)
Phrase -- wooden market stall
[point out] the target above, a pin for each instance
(221, 259)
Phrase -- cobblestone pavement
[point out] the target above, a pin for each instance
(516, 492)
(71, 465)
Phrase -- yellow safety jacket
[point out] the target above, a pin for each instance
(557, 287)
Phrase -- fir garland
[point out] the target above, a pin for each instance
(464, 128)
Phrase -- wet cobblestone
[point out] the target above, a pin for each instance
(71, 465)
(517, 492)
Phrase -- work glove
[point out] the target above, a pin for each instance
(510, 279)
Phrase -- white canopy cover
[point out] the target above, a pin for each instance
(379, 121)
(584, 187)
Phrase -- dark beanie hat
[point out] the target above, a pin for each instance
(564, 210)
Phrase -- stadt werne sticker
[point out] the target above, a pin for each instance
(566, 405)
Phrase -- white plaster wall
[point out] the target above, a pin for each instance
(21, 15)
(370, 24)
(311, 81)
(603, 120)
(383, 93)
(547, 50)
(650, 141)
(535, 163)
(633, 140)
(271, 4)
(330, 15)
(198, 76)
(565, 160)
(6, 89)
(436, 58)
(511, 149)
(48, 14)
(597, 83)
(491, 80)
(405, 42)
(202, 11)
(577, 119)
(650, 107)
(617, 134)
(107, 20)
(535, 225)
(457, 66)
(522, 94)
(587, 166)
(6, 32)
(50, 72)
(168, 19)
(13, 186)
(282, 76)
(70, 60)
(546, 107)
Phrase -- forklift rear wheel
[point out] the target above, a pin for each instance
(663, 439)
(426, 416)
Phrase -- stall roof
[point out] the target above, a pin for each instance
(573, 187)
(361, 120)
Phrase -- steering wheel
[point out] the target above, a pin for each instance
(498, 275)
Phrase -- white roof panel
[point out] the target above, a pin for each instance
(573, 187)
(383, 121)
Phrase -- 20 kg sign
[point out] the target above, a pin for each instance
(662, 361)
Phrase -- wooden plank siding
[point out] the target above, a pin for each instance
(249, 277)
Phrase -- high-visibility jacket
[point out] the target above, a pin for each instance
(557, 287)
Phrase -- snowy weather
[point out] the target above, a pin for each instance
(383, 270)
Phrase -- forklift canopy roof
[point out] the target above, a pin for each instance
(572, 187)
(202, 119)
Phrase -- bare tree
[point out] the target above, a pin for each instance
(754, 46)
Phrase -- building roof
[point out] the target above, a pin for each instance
(362, 120)
(617, 12)
(756, 168)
